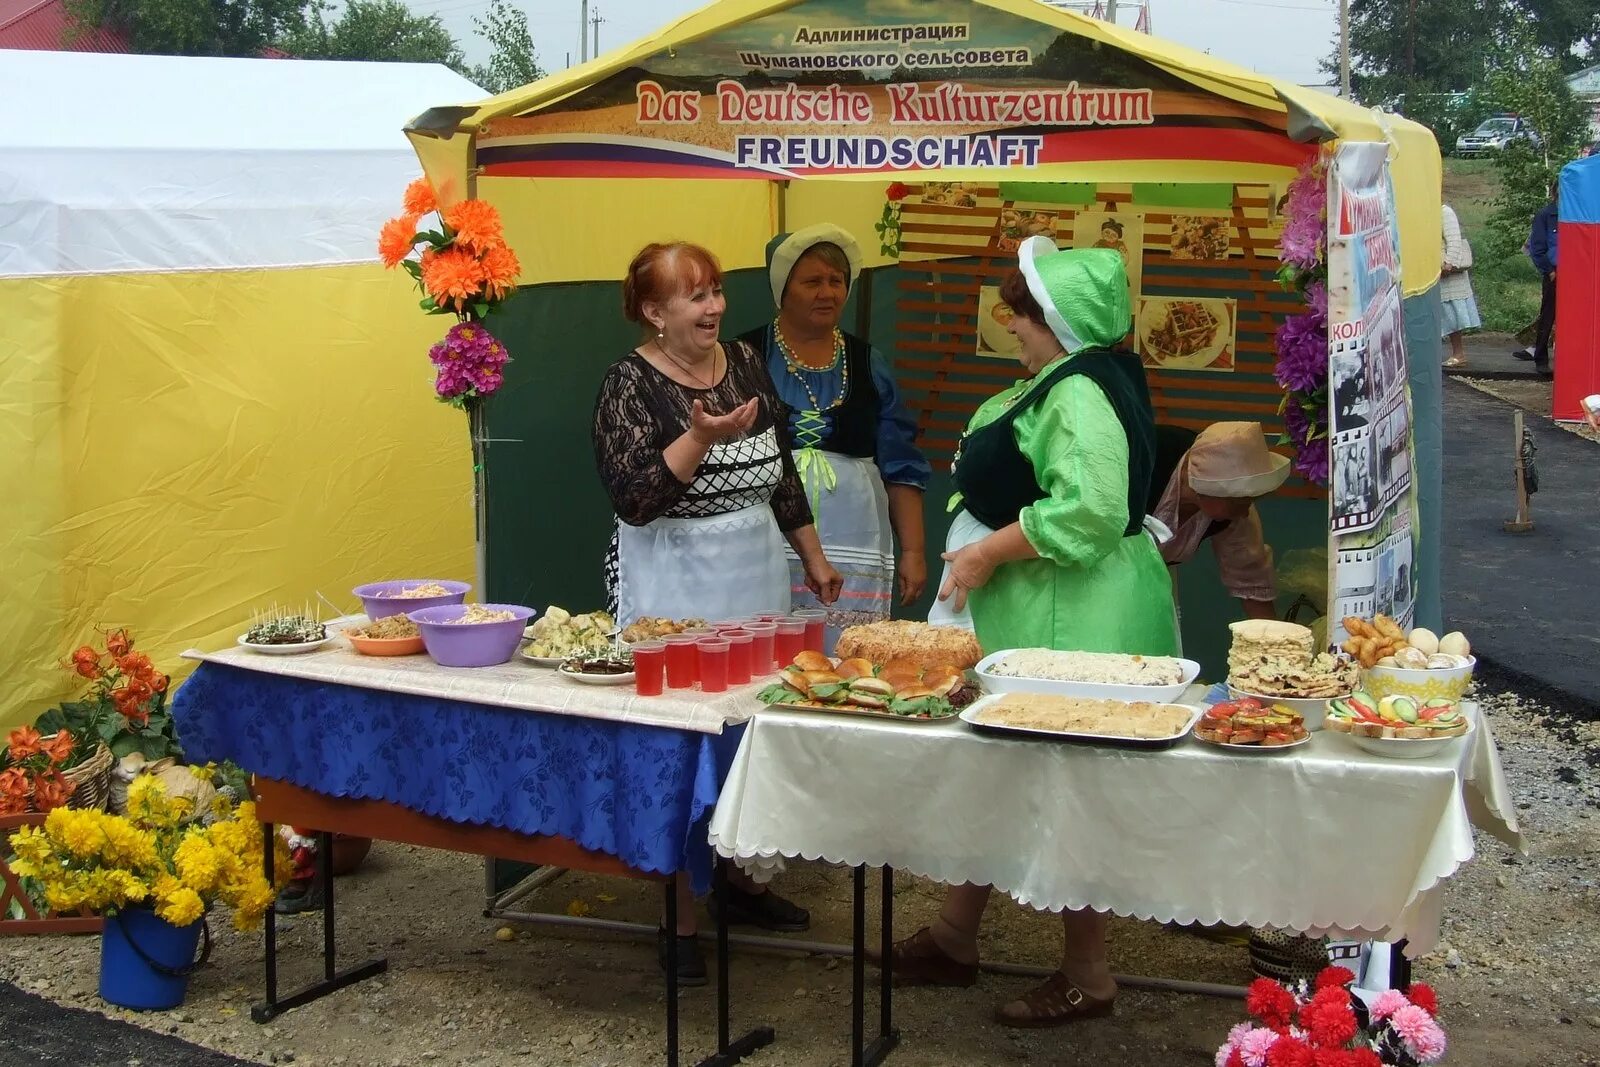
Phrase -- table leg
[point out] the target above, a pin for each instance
(333, 979)
(729, 1052)
(861, 1053)
(672, 971)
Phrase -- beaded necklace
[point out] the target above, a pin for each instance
(797, 369)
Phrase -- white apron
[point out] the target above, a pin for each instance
(966, 530)
(851, 507)
(719, 567)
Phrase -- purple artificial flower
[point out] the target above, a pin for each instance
(1304, 240)
(1310, 436)
(469, 361)
(1302, 343)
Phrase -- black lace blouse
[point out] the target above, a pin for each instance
(641, 411)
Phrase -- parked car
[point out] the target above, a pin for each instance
(1495, 134)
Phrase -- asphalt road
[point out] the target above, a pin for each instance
(1529, 603)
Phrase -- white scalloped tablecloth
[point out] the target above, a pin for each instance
(1321, 839)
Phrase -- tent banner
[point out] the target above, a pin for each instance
(1373, 515)
(837, 87)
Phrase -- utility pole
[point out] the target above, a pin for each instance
(1111, 11)
(596, 19)
(583, 31)
(1344, 49)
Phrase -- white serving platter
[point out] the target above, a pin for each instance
(1156, 694)
(970, 713)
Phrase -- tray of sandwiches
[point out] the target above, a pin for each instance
(903, 690)
(1085, 720)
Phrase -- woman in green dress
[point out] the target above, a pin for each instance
(1050, 551)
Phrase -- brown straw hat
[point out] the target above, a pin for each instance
(1231, 459)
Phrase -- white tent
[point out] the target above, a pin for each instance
(215, 396)
(132, 162)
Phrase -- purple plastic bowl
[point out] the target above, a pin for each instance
(379, 602)
(470, 644)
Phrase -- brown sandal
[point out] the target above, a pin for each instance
(918, 960)
(1055, 1003)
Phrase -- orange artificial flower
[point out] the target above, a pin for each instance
(59, 747)
(14, 786)
(85, 654)
(13, 804)
(158, 682)
(451, 277)
(419, 198)
(476, 225)
(136, 664)
(500, 270)
(22, 743)
(395, 240)
(118, 643)
(89, 669)
(51, 790)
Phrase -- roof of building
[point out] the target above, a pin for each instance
(47, 25)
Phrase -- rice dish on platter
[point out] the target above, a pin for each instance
(1105, 668)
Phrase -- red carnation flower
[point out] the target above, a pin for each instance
(897, 192)
(1270, 1002)
(1365, 1057)
(1422, 995)
(1334, 976)
(1289, 1052)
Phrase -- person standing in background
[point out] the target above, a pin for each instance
(1542, 250)
(1460, 308)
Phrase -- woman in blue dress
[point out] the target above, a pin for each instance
(853, 440)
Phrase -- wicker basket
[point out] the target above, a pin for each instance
(92, 778)
(1286, 957)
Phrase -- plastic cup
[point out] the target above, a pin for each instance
(700, 631)
(816, 620)
(772, 616)
(682, 661)
(713, 664)
(649, 667)
(761, 635)
(739, 646)
(789, 641)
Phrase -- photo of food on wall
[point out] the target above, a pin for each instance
(1186, 333)
(950, 194)
(994, 316)
(1017, 226)
(1201, 237)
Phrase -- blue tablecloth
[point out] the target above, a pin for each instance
(640, 793)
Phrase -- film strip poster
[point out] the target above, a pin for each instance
(1371, 498)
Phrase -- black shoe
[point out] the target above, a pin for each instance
(297, 897)
(767, 910)
(691, 965)
(1523, 354)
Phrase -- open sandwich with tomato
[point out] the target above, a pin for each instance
(898, 687)
(1364, 715)
(1248, 721)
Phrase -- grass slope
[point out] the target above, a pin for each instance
(1507, 289)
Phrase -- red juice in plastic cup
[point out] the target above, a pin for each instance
(649, 667)
(713, 664)
(815, 620)
(789, 642)
(739, 645)
(772, 616)
(683, 661)
(761, 635)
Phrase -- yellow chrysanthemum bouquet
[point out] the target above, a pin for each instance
(159, 855)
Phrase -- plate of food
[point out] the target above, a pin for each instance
(1274, 661)
(1183, 334)
(277, 633)
(611, 667)
(910, 642)
(1248, 725)
(392, 636)
(1085, 720)
(994, 322)
(1398, 726)
(902, 690)
(559, 635)
(649, 629)
(1105, 675)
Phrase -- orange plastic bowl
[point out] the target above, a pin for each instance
(386, 646)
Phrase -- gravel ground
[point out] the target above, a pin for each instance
(1518, 971)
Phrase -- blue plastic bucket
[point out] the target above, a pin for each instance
(145, 961)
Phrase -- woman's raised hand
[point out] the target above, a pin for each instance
(708, 429)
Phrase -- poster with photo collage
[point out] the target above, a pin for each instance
(1371, 498)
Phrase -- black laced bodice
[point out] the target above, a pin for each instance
(641, 411)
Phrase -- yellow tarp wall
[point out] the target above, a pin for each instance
(180, 449)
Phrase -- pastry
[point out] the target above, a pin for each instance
(911, 643)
